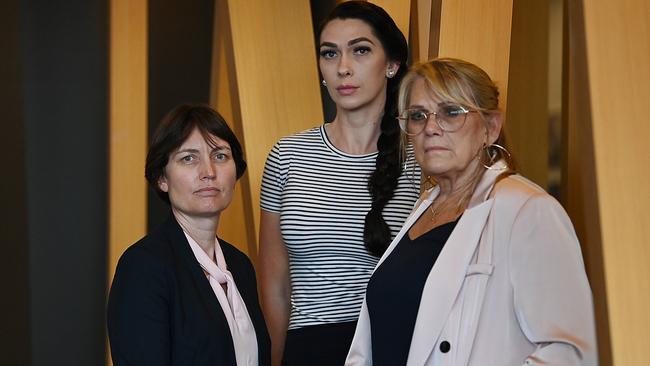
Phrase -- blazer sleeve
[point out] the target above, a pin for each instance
(552, 298)
(138, 311)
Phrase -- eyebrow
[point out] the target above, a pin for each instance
(414, 106)
(193, 150)
(360, 39)
(350, 43)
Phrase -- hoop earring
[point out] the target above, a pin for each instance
(491, 152)
(324, 82)
(412, 174)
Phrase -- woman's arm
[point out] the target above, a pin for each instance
(275, 282)
(138, 311)
(552, 298)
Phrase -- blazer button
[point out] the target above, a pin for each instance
(445, 346)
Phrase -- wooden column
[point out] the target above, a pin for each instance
(608, 138)
(128, 129)
(527, 124)
(266, 81)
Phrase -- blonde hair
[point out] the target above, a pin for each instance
(460, 82)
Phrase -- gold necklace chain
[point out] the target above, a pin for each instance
(435, 211)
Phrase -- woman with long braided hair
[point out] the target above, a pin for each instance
(334, 196)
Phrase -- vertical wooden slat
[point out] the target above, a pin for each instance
(579, 190)
(277, 92)
(235, 225)
(478, 31)
(399, 10)
(617, 38)
(128, 127)
(527, 122)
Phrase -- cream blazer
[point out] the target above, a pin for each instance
(509, 287)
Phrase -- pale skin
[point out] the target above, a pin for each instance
(355, 67)
(451, 158)
(200, 179)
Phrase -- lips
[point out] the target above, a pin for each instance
(207, 191)
(435, 149)
(347, 89)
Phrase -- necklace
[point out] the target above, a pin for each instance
(435, 211)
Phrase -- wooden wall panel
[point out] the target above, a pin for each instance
(478, 31)
(128, 126)
(128, 130)
(399, 10)
(527, 125)
(617, 36)
(277, 91)
(579, 184)
(235, 225)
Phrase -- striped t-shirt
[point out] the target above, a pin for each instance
(322, 196)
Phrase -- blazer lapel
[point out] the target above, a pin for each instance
(182, 247)
(445, 281)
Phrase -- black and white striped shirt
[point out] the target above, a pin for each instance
(321, 194)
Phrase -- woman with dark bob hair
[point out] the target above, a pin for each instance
(335, 195)
(181, 295)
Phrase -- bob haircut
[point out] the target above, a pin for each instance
(175, 128)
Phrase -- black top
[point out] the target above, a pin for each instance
(162, 310)
(395, 290)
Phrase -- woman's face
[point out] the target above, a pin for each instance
(444, 154)
(354, 64)
(200, 177)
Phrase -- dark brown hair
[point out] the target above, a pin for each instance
(388, 166)
(175, 128)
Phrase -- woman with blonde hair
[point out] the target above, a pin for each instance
(487, 270)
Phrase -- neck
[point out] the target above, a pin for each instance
(356, 132)
(458, 184)
(202, 229)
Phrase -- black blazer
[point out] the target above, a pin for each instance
(162, 310)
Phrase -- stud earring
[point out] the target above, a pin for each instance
(324, 82)
(390, 73)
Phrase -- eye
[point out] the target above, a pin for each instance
(188, 159)
(221, 156)
(362, 50)
(327, 53)
(452, 110)
(417, 115)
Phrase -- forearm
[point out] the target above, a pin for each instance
(277, 308)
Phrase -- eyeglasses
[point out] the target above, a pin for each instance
(449, 117)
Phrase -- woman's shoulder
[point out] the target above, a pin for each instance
(516, 191)
(155, 248)
(309, 135)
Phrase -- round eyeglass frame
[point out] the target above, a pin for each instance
(403, 120)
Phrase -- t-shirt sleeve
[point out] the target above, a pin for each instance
(273, 179)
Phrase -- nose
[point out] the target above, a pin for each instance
(208, 170)
(344, 67)
(432, 127)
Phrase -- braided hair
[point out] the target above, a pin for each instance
(388, 166)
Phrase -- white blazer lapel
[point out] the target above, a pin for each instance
(445, 281)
